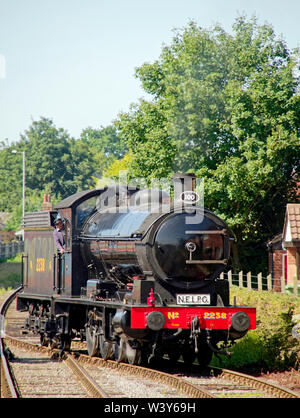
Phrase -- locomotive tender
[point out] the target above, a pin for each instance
(139, 277)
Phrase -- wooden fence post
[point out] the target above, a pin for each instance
(295, 285)
(229, 276)
(241, 278)
(249, 280)
(269, 281)
(282, 280)
(259, 281)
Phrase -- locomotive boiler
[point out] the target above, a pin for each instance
(139, 279)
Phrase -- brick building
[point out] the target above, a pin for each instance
(277, 258)
(284, 249)
(291, 241)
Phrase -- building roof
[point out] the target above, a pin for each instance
(275, 243)
(291, 229)
(274, 240)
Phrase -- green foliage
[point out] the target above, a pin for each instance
(145, 132)
(10, 177)
(15, 219)
(50, 164)
(16, 259)
(226, 107)
(10, 273)
(34, 201)
(104, 147)
(271, 346)
(113, 170)
(56, 164)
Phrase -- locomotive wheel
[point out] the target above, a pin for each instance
(44, 340)
(120, 350)
(106, 348)
(92, 341)
(65, 342)
(133, 355)
(54, 343)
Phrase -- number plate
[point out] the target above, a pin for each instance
(193, 299)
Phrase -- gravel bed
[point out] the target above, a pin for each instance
(223, 388)
(289, 379)
(40, 377)
(126, 386)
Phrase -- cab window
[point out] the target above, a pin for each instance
(84, 210)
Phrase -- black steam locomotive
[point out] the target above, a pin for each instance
(139, 277)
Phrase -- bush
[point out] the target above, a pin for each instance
(271, 347)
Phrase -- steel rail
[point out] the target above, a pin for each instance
(139, 371)
(89, 383)
(185, 387)
(6, 381)
(7, 385)
(256, 383)
(134, 370)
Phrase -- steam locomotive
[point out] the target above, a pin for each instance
(139, 278)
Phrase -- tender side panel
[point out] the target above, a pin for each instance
(39, 262)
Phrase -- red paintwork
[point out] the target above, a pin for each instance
(182, 316)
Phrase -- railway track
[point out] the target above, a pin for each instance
(36, 371)
(95, 374)
(29, 370)
(95, 377)
(230, 384)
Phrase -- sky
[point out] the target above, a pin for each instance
(74, 60)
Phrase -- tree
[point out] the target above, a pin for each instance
(10, 177)
(227, 107)
(104, 147)
(144, 130)
(56, 164)
(34, 201)
(49, 159)
(112, 171)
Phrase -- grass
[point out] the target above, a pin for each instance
(10, 273)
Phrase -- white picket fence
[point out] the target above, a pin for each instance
(11, 249)
(258, 282)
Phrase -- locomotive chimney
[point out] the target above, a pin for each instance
(183, 183)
